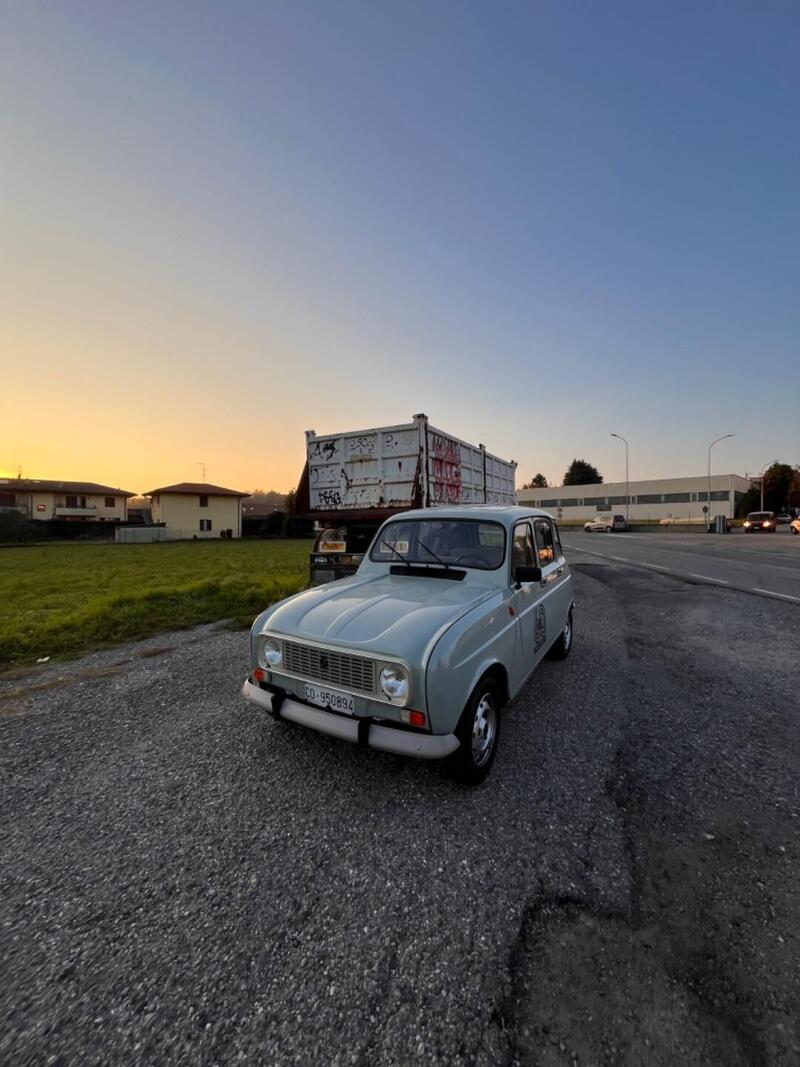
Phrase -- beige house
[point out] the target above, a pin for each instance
(197, 509)
(38, 498)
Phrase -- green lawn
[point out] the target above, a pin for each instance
(58, 600)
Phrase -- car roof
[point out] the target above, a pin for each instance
(507, 514)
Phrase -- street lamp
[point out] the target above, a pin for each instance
(763, 472)
(627, 483)
(708, 498)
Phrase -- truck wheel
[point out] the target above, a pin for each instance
(563, 644)
(478, 731)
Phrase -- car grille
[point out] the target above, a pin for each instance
(325, 665)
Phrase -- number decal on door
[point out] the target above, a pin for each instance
(539, 628)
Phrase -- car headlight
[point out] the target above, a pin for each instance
(746, 525)
(394, 683)
(273, 653)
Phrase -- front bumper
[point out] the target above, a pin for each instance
(385, 738)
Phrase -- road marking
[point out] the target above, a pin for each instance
(621, 559)
(654, 566)
(781, 596)
(707, 578)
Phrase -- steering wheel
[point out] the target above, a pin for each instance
(480, 560)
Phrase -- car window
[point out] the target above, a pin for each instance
(557, 541)
(461, 542)
(522, 549)
(545, 548)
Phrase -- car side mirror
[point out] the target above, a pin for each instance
(527, 574)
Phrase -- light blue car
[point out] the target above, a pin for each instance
(449, 613)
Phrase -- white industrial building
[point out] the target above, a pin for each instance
(680, 499)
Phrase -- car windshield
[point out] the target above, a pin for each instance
(453, 542)
(760, 515)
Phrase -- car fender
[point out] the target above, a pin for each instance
(481, 639)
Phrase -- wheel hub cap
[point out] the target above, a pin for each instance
(484, 730)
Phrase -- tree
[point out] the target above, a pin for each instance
(579, 472)
(538, 481)
(781, 490)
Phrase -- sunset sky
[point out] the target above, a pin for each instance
(225, 223)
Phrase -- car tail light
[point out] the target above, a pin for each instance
(416, 718)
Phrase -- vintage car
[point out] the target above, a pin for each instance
(443, 623)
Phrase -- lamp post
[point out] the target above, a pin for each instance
(708, 498)
(627, 483)
(763, 472)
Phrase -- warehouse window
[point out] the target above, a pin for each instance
(677, 498)
(592, 500)
(651, 498)
(619, 499)
(569, 503)
(716, 494)
(548, 504)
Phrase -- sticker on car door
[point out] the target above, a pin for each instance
(539, 627)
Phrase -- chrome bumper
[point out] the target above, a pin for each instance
(402, 742)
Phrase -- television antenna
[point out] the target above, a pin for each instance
(203, 468)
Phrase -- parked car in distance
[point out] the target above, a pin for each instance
(783, 519)
(605, 524)
(760, 521)
(447, 616)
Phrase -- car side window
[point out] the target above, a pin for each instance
(522, 547)
(557, 541)
(545, 547)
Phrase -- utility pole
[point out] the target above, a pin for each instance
(708, 499)
(627, 483)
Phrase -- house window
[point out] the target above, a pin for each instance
(205, 525)
(72, 502)
(7, 500)
(204, 502)
(111, 502)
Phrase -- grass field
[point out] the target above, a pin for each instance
(58, 600)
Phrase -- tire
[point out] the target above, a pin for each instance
(608, 529)
(563, 643)
(474, 757)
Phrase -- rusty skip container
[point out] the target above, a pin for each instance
(353, 481)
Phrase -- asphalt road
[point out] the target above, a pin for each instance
(764, 564)
(184, 881)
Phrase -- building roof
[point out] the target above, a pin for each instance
(197, 489)
(45, 485)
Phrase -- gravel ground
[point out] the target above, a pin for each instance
(185, 880)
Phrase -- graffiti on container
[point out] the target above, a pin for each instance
(330, 498)
(446, 469)
(362, 446)
(325, 450)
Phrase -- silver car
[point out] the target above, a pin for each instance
(446, 618)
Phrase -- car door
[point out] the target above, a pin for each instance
(556, 591)
(531, 631)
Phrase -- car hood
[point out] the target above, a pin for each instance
(391, 615)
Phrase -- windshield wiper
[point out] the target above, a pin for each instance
(399, 555)
(432, 553)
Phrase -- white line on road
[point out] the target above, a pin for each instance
(781, 596)
(706, 578)
(654, 566)
(621, 559)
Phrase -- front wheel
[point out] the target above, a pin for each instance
(478, 731)
(563, 644)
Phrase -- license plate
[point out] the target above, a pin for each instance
(329, 698)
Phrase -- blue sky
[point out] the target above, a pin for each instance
(536, 222)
